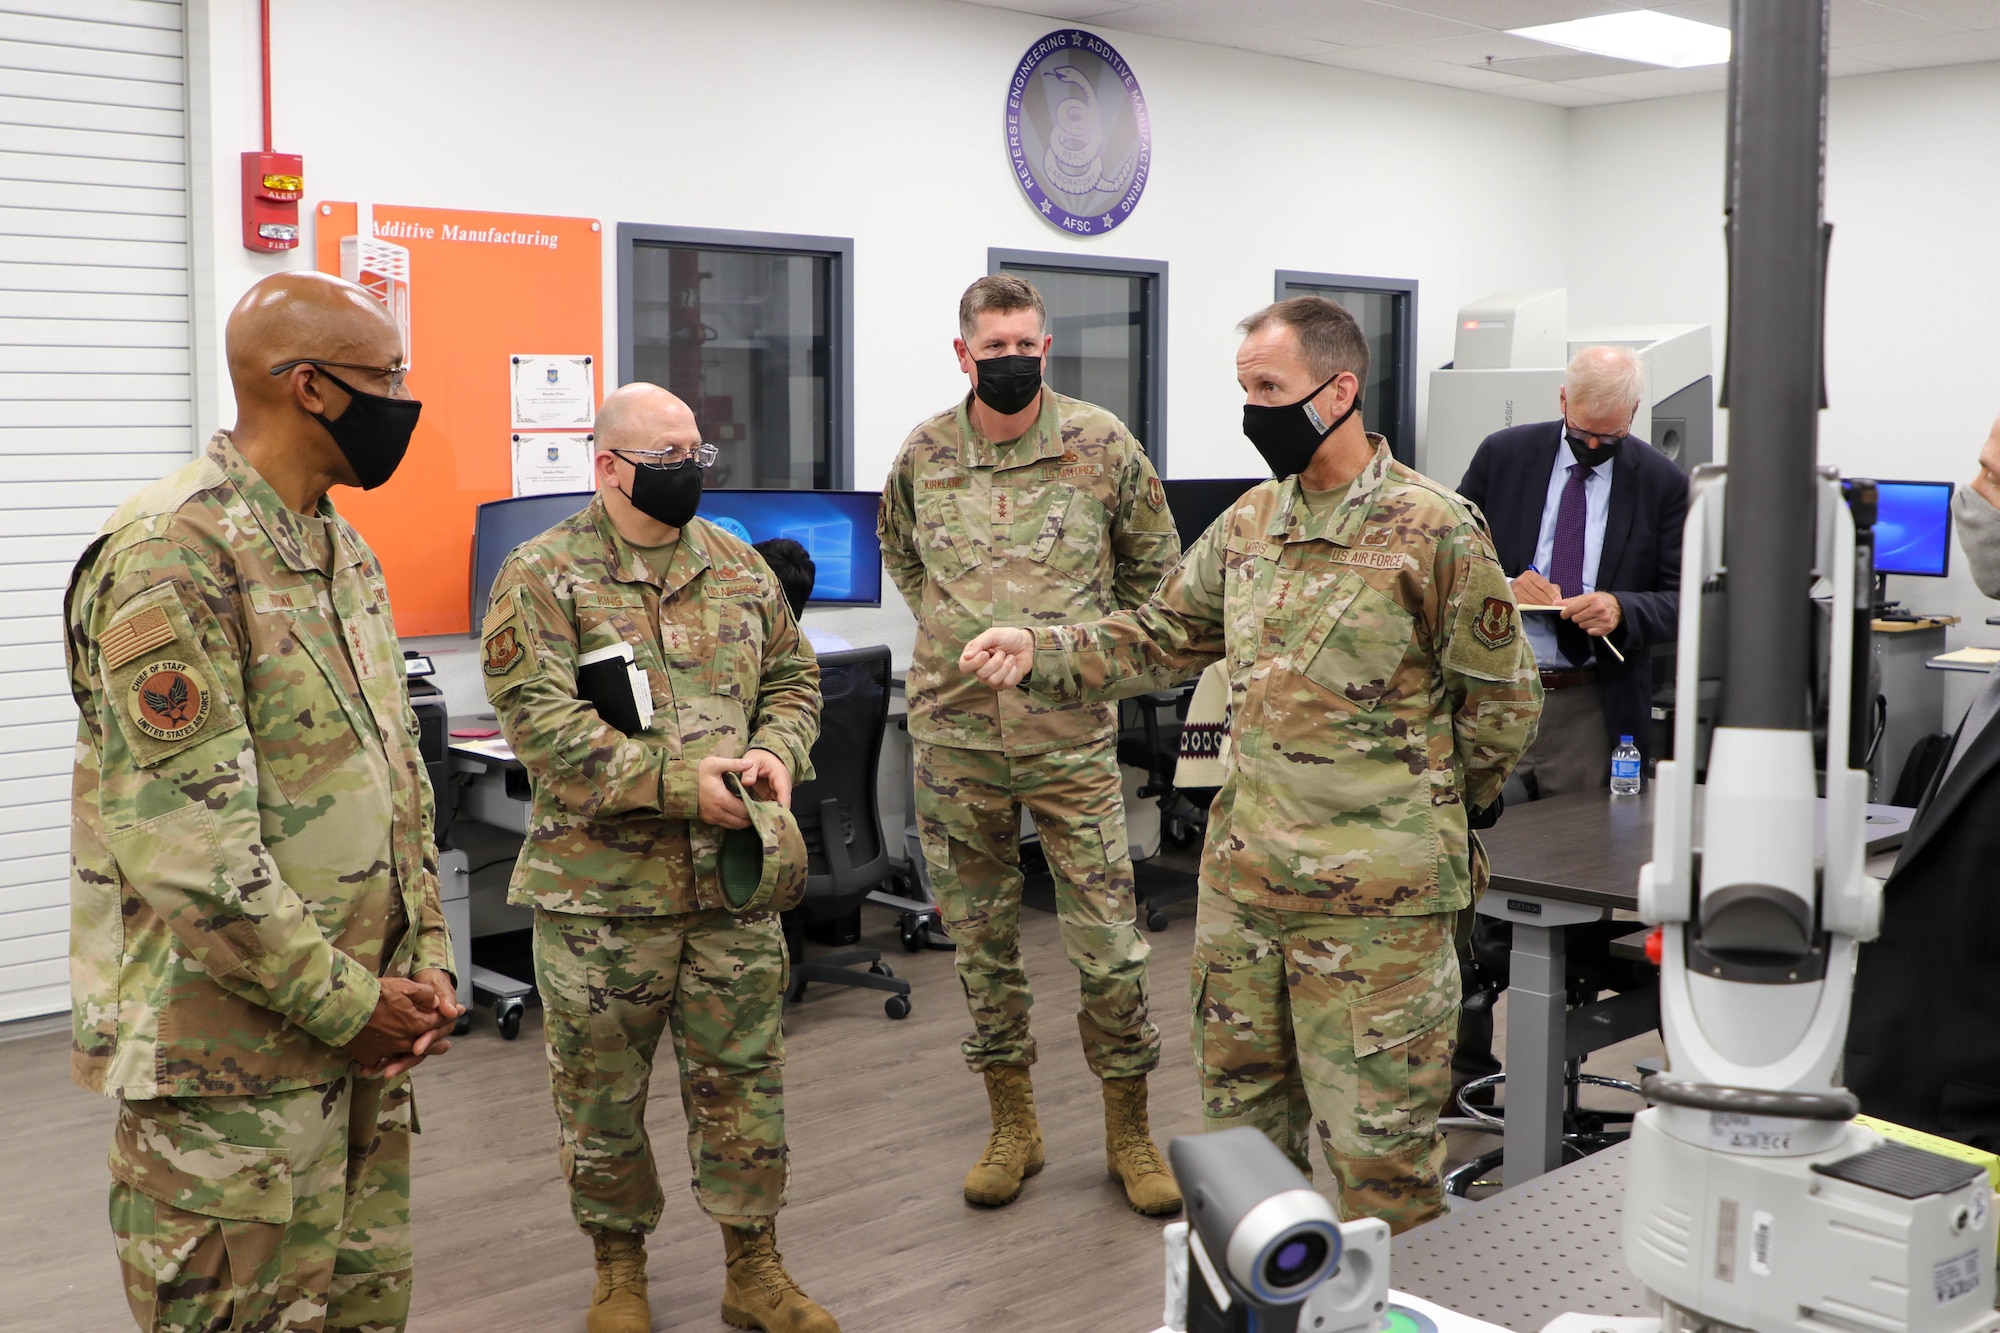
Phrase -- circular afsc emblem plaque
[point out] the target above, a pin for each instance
(1078, 136)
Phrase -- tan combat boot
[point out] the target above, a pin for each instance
(1129, 1152)
(619, 1303)
(1014, 1149)
(759, 1293)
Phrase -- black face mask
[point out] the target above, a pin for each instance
(374, 432)
(1007, 384)
(668, 495)
(1289, 436)
(1579, 445)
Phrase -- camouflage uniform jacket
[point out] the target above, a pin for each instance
(613, 828)
(1379, 684)
(1066, 523)
(251, 837)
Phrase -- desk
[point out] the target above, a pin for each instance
(1564, 862)
(490, 820)
(1528, 1254)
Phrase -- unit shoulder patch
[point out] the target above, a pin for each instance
(169, 700)
(1156, 494)
(1495, 626)
(503, 650)
(1486, 631)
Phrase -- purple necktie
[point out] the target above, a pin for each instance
(1572, 515)
(1566, 564)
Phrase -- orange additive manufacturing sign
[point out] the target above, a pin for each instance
(469, 290)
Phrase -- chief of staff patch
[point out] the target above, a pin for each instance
(1495, 626)
(169, 701)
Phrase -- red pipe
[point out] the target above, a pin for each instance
(265, 8)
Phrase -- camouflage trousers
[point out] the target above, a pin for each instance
(968, 819)
(1340, 1025)
(286, 1213)
(611, 988)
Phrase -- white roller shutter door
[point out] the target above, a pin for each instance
(95, 391)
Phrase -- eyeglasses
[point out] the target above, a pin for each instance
(1595, 440)
(701, 455)
(394, 374)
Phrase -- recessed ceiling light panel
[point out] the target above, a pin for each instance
(1641, 35)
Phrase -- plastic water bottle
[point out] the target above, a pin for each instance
(1625, 768)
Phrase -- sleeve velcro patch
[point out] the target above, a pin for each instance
(1486, 632)
(159, 680)
(507, 654)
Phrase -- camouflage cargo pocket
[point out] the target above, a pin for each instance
(948, 553)
(1358, 644)
(1074, 538)
(1402, 1049)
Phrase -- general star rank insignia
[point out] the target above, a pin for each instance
(504, 650)
(1495, 626)
(169, 700)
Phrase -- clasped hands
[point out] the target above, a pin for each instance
(1595, 613)
(412, 1021)
(763, 774)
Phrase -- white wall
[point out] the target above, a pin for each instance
(1911, 335)
(881, 120)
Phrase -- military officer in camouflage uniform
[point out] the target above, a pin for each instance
(633, 941)
(257, 950)
(1020, 506)
(1381, 690)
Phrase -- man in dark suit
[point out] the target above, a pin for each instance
(1585, 517)
(1921, 1043)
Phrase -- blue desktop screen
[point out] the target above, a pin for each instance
(837, 528)
(1913, 527)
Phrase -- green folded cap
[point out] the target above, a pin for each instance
(763, 867)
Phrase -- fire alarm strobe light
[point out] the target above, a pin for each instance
(272, 184)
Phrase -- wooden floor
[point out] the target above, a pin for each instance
(883, 1120)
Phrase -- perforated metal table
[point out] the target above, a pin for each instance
(1528, 1254)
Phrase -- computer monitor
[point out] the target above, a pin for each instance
(837, 528)
(1913, 528)
(1196, 502)
(500, 525)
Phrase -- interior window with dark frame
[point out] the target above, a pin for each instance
(1385, 310)
(1101, 321)
(743, 336)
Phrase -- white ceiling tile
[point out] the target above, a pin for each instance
(1068, 10)
(1478, 47)
(1503, 14)
(1958, 48)
(1168, 20)
(1344, 22)
(1862, 23)
(1714, 12)
(1657, 83)
(1840, 64)
(1574, 65)
(1377, 60)
(1958, 13)
(1560, 94)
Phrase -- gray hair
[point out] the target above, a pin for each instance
(1608, 379)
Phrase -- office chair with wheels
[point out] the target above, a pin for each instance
(846, 854)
